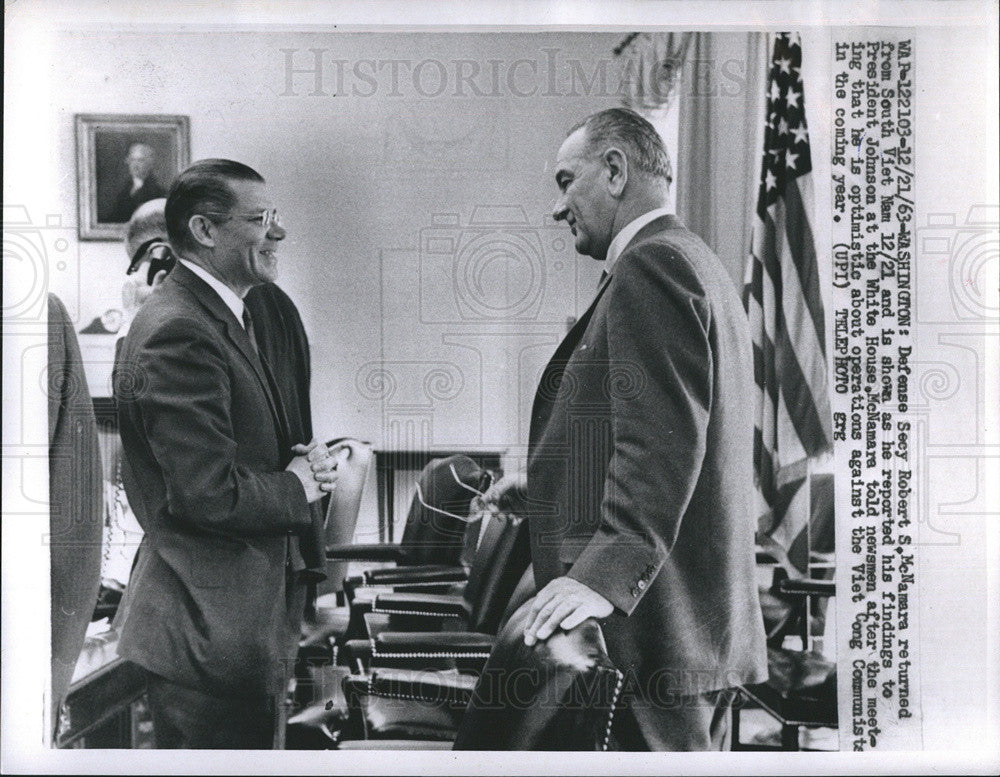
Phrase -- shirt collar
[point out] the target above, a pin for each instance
(227, 295)
(623, 238)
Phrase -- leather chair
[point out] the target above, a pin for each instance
(435, 525)
(354, 462)
(446, 485)
(559, 694)
(421, 630)
(317, 704)
(497, 569)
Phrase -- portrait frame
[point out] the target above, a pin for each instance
(103, 141)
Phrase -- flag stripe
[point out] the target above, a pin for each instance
(798, 233)
(794, 340)
(784, 307)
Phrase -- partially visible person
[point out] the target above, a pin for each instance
(150, 257)
(75, 503)
(141, 186)
(214, 475)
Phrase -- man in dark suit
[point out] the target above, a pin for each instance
(212, 474)
(141, 186)
(280, 335)
(640, 457)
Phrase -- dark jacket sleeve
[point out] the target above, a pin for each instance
(75, 500)
(660, 390)
(185, 411)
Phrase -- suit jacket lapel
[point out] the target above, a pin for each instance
(238, 337)
(552, 375)
(548, 386)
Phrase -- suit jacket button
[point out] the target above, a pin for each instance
(634, 591)
(641, 584)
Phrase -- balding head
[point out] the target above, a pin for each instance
(149, 253)
(147, 223)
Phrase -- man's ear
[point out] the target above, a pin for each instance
(202, 230)
(617, 165)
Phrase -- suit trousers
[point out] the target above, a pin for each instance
(687, 723)
(184, 718)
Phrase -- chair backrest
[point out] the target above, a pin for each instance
(558, 694)
(524, 590)
(504, 553)
(437, 521)
(354, 461)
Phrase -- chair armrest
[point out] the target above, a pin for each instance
(807, 587)
(433, 644)
(417, 574)
(376, 623)
(431, 605)
(366, 552)
(357, 654)
(447, 687)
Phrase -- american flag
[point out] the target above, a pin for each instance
(782, 299)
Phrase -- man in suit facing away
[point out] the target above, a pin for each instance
(640, 457)
(212, 475)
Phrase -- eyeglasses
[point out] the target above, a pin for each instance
(155, 250)
(158, 254)
(267, 218)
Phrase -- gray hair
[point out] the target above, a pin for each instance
(634, 135)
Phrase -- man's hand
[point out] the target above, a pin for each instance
(563, 603)
(315, 468)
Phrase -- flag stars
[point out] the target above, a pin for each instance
(801, 133)
(775, 92)
(769, 180)
(782, 126)
(792, 98)
(790, 159)
(784, 63)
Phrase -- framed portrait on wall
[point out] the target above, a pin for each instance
(124, 160)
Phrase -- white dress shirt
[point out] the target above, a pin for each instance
(233, 302)
(623, 238)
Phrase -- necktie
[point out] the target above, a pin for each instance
(248, 326)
